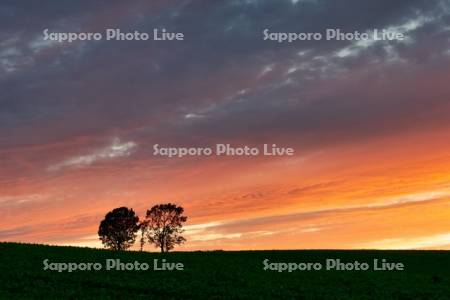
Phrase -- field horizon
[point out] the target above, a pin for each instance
(218, 274)
(156, 250)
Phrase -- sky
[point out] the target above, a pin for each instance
(369, 122)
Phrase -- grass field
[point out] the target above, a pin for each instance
(221, 275)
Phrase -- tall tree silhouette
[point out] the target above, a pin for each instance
(164, 227)
(118, 230)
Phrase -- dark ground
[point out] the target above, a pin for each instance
(221, 275)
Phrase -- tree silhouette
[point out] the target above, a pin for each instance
(164, 227)
(118, 230)
(143, 225)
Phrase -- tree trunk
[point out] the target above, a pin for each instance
(162, 244)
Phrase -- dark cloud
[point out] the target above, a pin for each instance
(233, 85)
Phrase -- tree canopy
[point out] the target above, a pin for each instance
(164, 226)
(118, 230)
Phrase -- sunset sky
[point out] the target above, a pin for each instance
(369, 122)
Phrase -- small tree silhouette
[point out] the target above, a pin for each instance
(143, 225)
(118, 230)
(164, 227)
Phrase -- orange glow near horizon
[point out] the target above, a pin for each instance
(387, 193)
